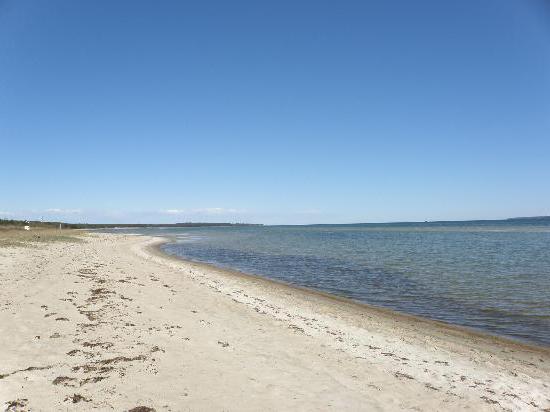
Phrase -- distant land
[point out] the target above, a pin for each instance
(545, 218)
(36, 223)
(534, 219)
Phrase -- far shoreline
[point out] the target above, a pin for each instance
(352, 305)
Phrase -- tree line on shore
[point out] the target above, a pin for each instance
(63, 225)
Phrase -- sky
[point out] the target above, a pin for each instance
(278, 112)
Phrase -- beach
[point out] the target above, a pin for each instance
(111, 323)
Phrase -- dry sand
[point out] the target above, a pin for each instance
(109, 323)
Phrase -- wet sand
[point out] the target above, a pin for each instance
(110, 323)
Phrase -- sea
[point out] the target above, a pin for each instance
(493, 276)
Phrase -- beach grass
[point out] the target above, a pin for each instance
(17, 237)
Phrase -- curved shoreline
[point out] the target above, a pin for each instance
(112, 322)
(355, 305)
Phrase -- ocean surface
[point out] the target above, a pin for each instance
(490, 275)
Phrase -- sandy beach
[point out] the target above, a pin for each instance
(110, 323)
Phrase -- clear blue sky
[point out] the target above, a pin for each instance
(274, 112)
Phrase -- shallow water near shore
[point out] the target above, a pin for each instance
(492, 275)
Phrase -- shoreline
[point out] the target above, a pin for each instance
(110, 322)
(357, 305)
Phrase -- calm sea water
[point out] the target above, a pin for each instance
(493, 276)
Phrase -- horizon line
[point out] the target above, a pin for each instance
(151, 224)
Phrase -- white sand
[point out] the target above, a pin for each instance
(122, 326)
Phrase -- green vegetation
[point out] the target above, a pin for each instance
(19, 237)
(34, 224)
(18, 224)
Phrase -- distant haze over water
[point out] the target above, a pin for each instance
(489, 275)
